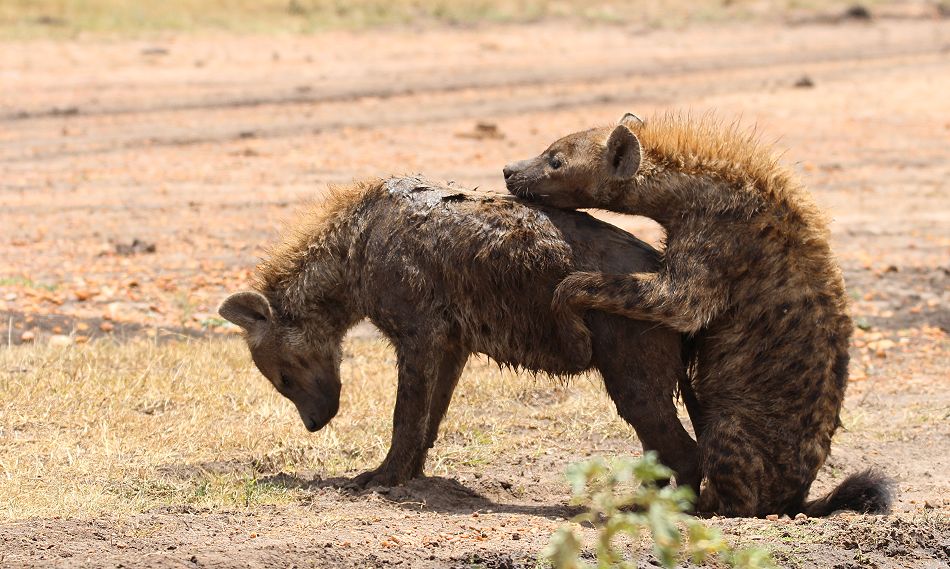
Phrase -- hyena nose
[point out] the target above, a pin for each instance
(507, 171)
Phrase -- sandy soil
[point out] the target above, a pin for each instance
(201, 146)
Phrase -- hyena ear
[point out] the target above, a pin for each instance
(630, 119)
(623, 153)
(247, 309)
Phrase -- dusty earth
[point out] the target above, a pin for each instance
(140, 180)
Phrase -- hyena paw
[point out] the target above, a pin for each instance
(383, 476)
(576, 290)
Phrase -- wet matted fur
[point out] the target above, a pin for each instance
(445, 273)
(747, 273)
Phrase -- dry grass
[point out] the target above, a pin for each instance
(122, 428)
(66, 18)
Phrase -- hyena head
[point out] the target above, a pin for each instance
(301, 359)
(585, 169)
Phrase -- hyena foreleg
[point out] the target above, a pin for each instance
(685, 306)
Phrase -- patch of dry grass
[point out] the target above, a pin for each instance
(122, 428)
(65, 18)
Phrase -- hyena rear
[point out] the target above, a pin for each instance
(749, 274)
(444, 274)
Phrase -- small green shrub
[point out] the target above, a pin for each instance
(625, 497)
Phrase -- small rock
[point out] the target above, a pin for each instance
(83, 295)
(154, 50)
(804, 82)
(801, 516)
(106, 326)
(516, 536)
(857, 12)
(772, 517)
(483, 130)
(134, 248)
(50, 21)
(60, 340)
(27, 336)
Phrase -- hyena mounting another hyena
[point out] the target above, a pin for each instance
(748, 272)
(443, 274)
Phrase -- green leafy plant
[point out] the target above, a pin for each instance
(626, 497)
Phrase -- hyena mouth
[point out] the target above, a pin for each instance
(519, 189)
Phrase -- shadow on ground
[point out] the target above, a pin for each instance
(432, 493)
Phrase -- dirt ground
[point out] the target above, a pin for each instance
(140, 180)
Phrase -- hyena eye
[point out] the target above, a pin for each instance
(556, 162)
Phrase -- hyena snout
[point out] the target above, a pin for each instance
(317, 401)
(513, 169)
(516, 177)
(316, 414)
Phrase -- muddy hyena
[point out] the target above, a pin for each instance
(443, 274)
(748, 272)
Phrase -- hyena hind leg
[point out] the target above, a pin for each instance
(734, 472)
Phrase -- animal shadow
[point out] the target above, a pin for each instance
(433, 493)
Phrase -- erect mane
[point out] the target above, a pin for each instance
(316, 232)
(705, 145)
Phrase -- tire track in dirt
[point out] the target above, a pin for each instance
(386, 87)
(496, 97)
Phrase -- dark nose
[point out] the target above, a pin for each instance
(310, 424)
(507, 171)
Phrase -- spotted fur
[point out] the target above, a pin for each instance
(445, 273)
(747, 273)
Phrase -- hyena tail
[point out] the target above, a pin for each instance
(685, 386)
(868, 492)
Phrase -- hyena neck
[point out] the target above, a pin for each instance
(318, 284)
(674, 199)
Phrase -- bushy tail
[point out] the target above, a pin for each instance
(868, 492)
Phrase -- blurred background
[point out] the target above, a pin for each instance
(149, 149)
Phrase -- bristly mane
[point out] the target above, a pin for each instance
(705, 145)
(316, 233)
(735, 154)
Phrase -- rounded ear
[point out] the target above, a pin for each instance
(623, 153)
(247, 309)
(630, 119)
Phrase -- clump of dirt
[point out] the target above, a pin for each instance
(135, 247)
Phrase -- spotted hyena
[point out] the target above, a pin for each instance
(444, 274)
(747, 274)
